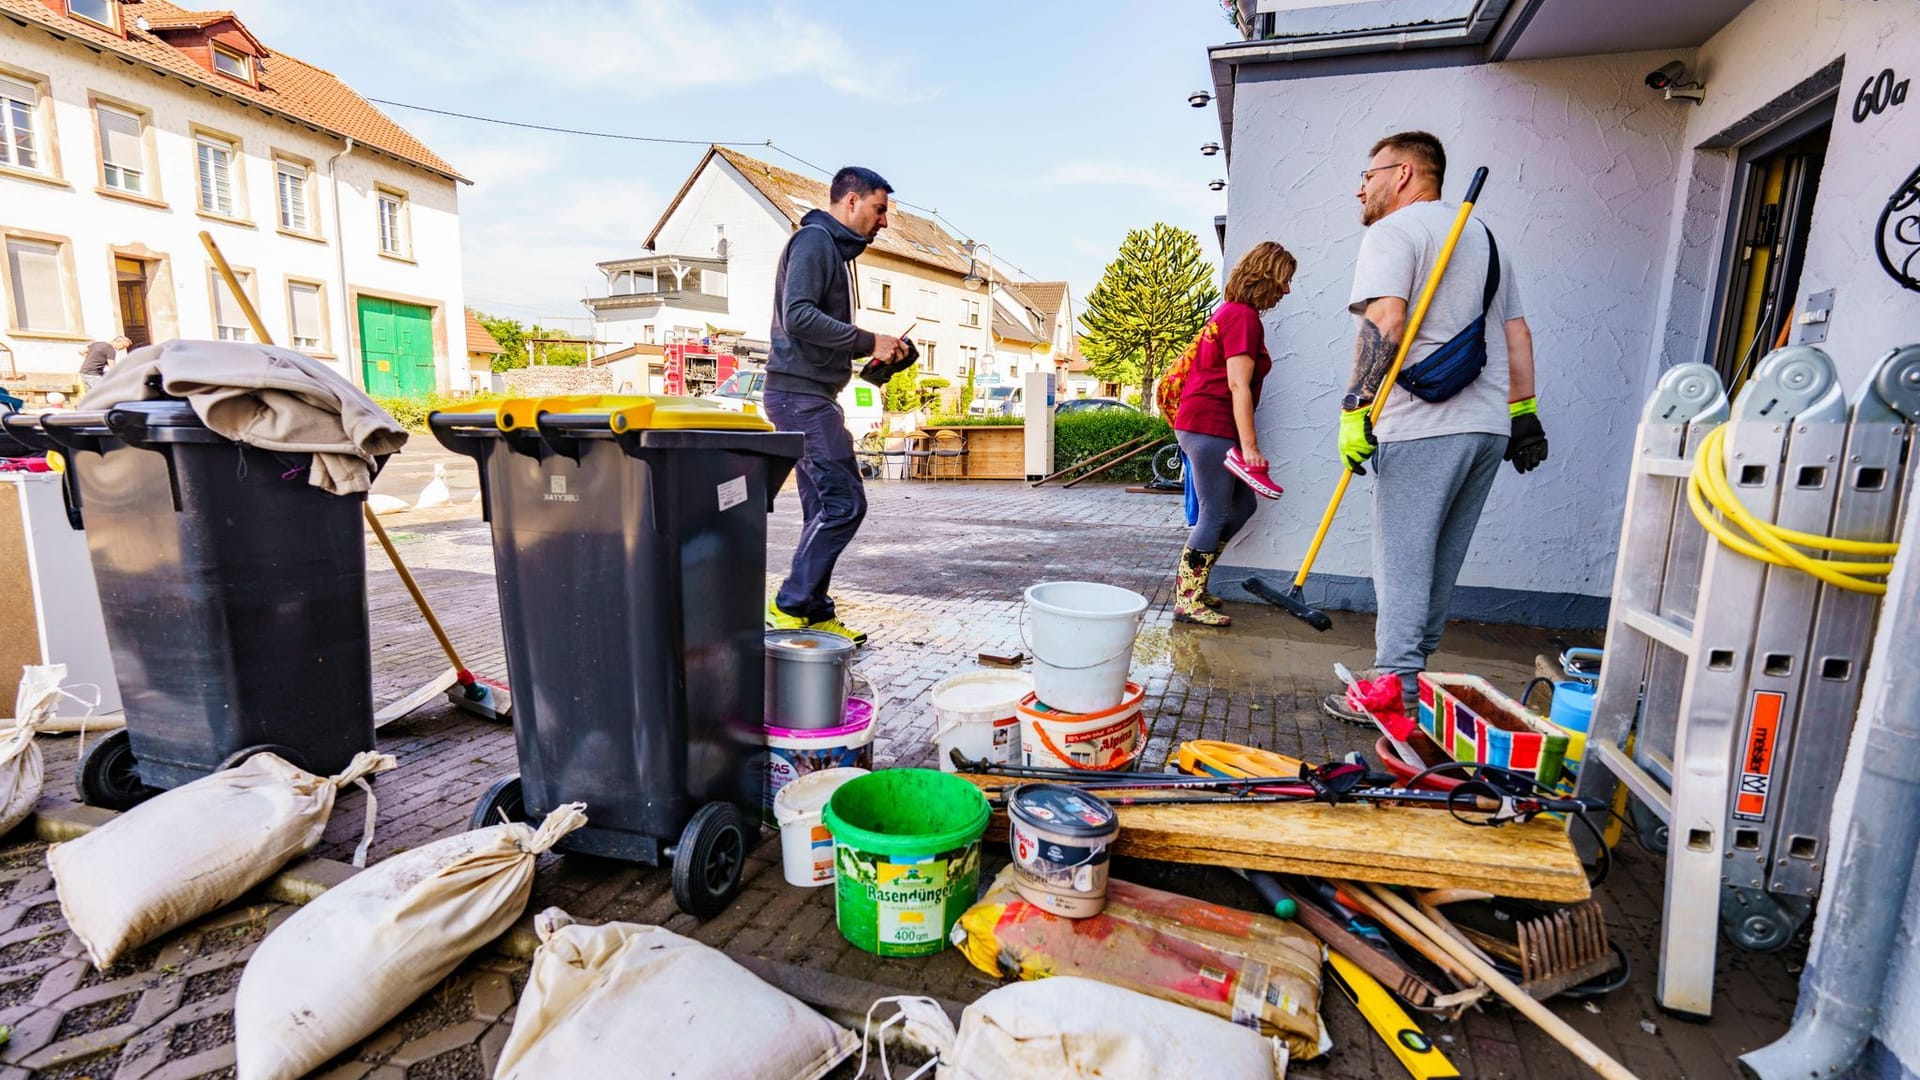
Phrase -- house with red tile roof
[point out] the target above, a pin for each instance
(129, 126)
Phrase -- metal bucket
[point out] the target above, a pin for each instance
(809, 677)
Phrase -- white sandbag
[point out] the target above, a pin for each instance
(195, 849)
(1072, 1027)
(602, 999)
(22, 773)
(364, 950)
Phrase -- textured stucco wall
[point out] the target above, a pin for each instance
(1582, 160)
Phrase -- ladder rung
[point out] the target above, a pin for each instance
(1665, 631)
(1679, 468)
(1644, 787)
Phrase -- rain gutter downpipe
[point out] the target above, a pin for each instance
(1856, 940)
(343, 348)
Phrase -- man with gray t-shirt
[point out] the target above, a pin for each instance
(1433, 461)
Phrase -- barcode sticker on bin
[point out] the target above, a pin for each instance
(733, 493)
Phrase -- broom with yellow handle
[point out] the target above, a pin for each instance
(1291, 600)
(467, 691)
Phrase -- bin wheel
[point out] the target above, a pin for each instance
(239, 757)
(708, 860)
(503, 798)
(107, 777)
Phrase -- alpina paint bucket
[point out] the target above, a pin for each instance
(906, 845)
(1100, 742)
(792, 754)
(1060, 837)
(978, 714)
(806, 847)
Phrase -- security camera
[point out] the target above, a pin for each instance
(1199, 98)
(1672, 82)
(1671, 74)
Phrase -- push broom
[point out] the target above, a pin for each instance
(465, 690)
(1291, 601)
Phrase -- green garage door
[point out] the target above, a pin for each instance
(396, 348)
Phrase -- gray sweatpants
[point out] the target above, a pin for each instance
(1226, 504)
(1427, 496)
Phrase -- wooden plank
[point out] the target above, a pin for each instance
(1388, 844)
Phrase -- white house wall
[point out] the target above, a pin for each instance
(719, 196)
(95, 224)
(1581, 158)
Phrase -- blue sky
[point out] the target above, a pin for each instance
(1046, 129)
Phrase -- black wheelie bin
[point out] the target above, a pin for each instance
(630, 548)
(234, 595)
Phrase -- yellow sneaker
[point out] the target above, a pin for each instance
(780, 620)
(835, 626)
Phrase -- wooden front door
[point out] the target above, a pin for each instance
(396, 348)
(135, 322)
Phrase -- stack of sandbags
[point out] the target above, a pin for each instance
(362, 952)
(195, 849)
(602, 999)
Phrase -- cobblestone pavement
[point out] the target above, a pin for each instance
(936, 575)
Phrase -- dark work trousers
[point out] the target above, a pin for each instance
(833, 501)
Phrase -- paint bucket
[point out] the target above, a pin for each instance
(906, 845)
(978, 714)
(1100, 742)
(806, 847)
(1571, 712)
(1082, 642)
(793, 754)
(1059, 836)
(809, 676)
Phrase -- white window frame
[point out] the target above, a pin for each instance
(969, 312)
(308, 344)
(38, 128)
(241, 61)
(63, 270)
(219, 298)
(882, 294)
(928, 307)
(284, 167)
(114, 175)
(206, 144)
(112, 21)
(394, 232)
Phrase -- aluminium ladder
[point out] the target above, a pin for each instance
(1729, 685)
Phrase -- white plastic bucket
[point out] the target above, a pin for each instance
(978, 714)
(1082, 642)
(806, 847)
(1103, 741)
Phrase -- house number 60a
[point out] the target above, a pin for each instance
(1877, 95)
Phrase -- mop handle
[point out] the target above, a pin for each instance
(260, 330)
(1399, 357)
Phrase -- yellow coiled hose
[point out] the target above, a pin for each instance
(1708, 490)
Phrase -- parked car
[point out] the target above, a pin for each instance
(998, 401)
(740, 387)
(1092, 404)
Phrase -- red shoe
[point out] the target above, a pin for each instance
(1257, 479)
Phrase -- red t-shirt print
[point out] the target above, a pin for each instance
(1206, 403)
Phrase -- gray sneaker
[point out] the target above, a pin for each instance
(1335, 705)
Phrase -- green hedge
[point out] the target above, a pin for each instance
(412, 412)
(1082, 436)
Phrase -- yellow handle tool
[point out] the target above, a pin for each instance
(1423, 1061)
(1400, 357)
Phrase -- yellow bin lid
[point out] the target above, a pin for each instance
(632, 412)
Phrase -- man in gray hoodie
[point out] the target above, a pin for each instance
(814, 346)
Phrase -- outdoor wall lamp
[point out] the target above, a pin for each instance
(1199, 98)
(1210, 149)
(1671, 80)
(1217, 185)
(974, 281)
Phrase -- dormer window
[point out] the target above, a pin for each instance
(101, 12)
(229, 62)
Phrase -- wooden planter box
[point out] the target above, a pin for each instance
(994, 452)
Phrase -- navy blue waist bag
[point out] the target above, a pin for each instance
(1454, 365)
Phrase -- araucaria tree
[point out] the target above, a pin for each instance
(1150, 302)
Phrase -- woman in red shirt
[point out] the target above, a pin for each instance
(1214, 423)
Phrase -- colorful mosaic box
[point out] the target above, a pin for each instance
(1472, 721)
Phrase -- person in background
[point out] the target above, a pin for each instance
(814, 346)
(1214, 423)
(99, 356)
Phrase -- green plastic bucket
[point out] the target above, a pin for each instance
(906, 846)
